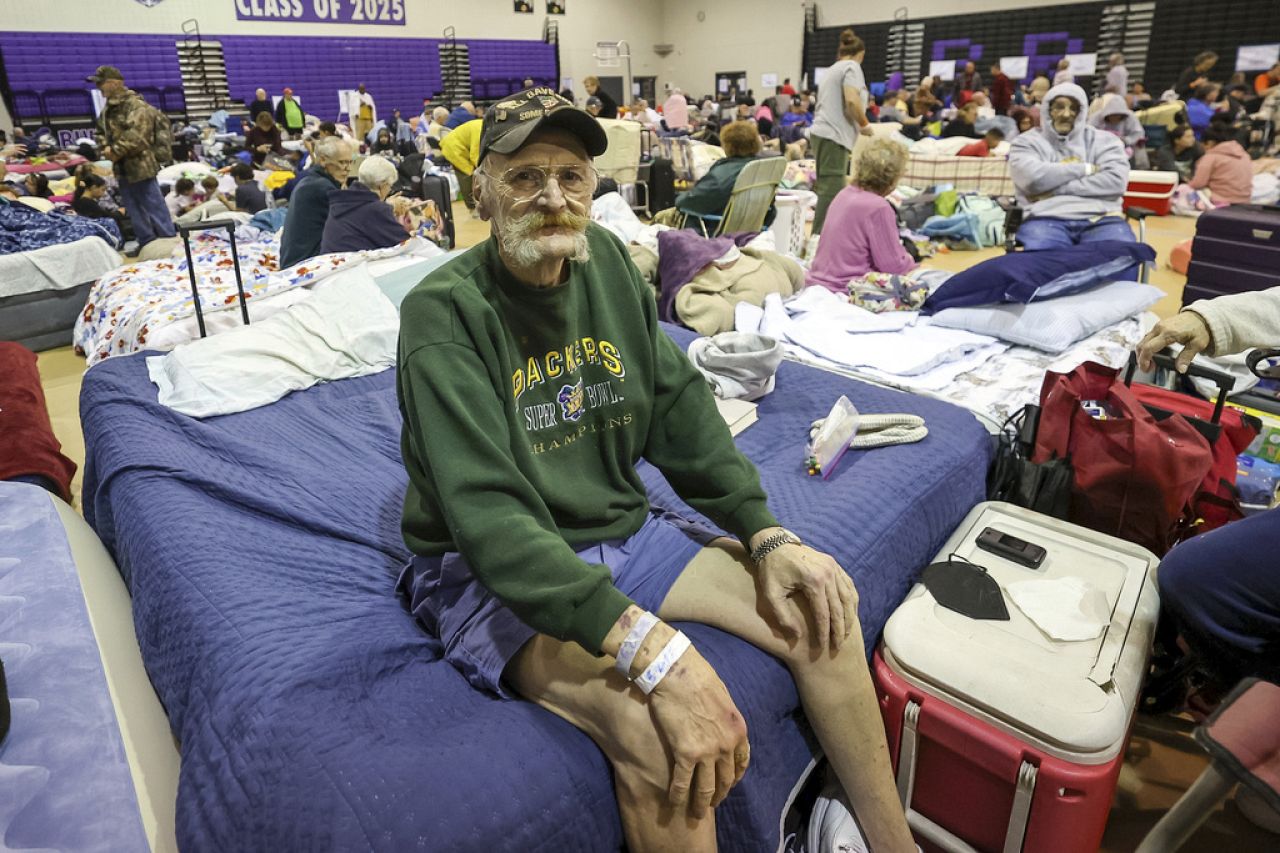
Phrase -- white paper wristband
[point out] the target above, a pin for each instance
(676, 646)
(634, 639)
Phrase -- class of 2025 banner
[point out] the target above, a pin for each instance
(386, 12)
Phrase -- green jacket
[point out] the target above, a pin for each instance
(128, 126)
(710, 195)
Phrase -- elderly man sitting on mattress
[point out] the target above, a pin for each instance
(1070, 177)
(533, 377)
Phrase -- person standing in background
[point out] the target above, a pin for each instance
(363, 112)
(1064, 74)
(1001, 90)
(289, 114)
(260, 104)
(132, 138)
(608, 106)
(841, 114)
(1117, 76)
(1194, 77)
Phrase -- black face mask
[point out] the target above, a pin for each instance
(966, 588)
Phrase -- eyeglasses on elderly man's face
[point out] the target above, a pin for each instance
(522, 183)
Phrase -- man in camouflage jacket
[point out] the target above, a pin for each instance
(131, 136)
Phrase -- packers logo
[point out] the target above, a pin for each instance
(571, 400)
(509, 105)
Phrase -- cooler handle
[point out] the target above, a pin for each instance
(1019, 814)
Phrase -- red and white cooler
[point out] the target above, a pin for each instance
(1152, 190)
(1004, 738)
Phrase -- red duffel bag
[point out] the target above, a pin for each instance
(1135, 475)
(1228, 431)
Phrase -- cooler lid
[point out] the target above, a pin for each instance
(1074, 699)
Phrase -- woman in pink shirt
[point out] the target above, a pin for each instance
(861, 231)
(1225, 169)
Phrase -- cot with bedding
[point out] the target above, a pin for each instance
(261, 550)
(43, 291)
(989, 175)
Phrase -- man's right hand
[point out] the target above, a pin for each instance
(1187, 328)
(704, 730)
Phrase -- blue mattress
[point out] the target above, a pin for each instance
(262, 549)
(64, 778)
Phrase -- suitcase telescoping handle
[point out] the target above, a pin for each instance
(1225, 381)
(210, 225)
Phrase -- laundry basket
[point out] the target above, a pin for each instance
(793, 210)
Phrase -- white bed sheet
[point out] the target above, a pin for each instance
(58, 267)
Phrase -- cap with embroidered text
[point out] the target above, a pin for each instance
(509, 123)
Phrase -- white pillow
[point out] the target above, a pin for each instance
(346, 328)
(1053, 325)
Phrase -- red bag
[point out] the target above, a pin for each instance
(1135, 476)
(1216, 501)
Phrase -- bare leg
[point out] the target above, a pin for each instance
(590, 694)
(835, 688)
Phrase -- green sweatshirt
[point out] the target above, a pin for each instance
(525, 412)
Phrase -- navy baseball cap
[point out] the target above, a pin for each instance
(509, 123)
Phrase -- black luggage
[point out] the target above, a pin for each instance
(662, 184)
(1236, 250)
(436, 188)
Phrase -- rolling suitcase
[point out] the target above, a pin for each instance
(1008, 734)
(662, 184)
(1236, 250)
(436, 188)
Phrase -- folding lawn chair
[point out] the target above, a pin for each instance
(749, 203)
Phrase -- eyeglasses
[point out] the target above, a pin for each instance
(527, 182)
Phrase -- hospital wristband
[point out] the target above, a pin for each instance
(634, 639)
(662, 664)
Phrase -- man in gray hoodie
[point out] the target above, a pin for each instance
(1069, 177)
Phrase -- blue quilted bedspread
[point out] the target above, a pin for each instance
(314, 713)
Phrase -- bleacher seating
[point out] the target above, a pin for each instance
(398, 72)
(500, 66)
(46, 71)
(52, 67)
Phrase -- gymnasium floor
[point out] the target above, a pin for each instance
(1161, 762)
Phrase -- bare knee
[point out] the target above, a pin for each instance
(805, 651)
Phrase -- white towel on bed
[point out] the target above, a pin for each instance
(59, 267)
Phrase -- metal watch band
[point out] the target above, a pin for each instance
(777, 540)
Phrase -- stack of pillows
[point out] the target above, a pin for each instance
(1047, 299)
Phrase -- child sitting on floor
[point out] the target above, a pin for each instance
(985, 146)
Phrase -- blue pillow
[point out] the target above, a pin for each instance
(1024, 276)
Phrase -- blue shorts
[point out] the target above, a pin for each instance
(480, 635)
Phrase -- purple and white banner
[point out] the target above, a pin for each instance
(386, 12)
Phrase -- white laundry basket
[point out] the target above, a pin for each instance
(794, 207)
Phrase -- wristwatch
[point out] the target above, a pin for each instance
(771, 543)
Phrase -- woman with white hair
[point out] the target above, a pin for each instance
(359, 216)
(861, 234)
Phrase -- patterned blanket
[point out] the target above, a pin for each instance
(127, 309)
(989, 175)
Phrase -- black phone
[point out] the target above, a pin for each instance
(1012, 548)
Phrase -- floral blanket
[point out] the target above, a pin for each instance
(128, 308)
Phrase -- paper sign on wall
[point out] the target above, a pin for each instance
(344, 100)
(385, 12)
(723, 86)
(1257, 57)
(818, 74)
(1014, 67)
(1082, 64)
(943, 69)
(768, 81)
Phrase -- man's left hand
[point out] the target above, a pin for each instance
(792, 571)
